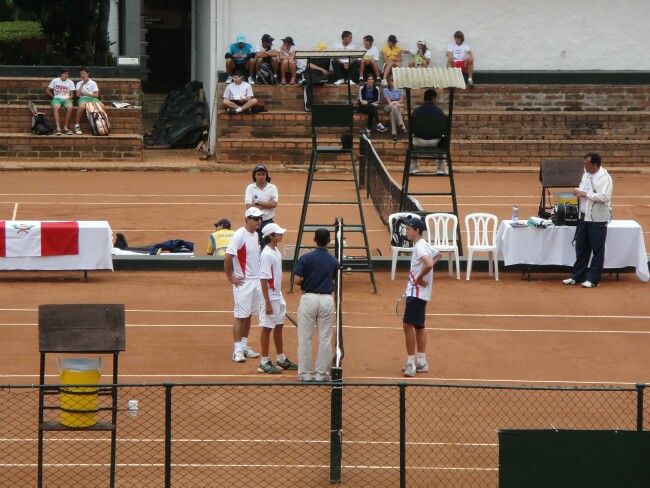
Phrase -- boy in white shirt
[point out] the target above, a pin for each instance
(459, 55)
(61, 90)
(369, 60)
(238, 95)
(87, 91)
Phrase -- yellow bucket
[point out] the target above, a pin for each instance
(566, 197)
(79, 404)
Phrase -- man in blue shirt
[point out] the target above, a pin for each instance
(315, 273)
(240, 57)
(431, 110)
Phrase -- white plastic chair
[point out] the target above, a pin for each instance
(396, 249)
(481, 237)
(441, 235)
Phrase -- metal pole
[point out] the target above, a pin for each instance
(640, 387)
(336, 426)
(168, 435)
(402, 435)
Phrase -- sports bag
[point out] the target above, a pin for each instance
(566, 214)
(399, 239)
(98, 119)
(265, 74)
(41, 126)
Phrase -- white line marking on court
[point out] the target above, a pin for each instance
(13, 216)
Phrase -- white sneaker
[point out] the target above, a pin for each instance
(409, 370)
(238, 356)
(569, 281)
(339, 82)
(77, 130)
(228, 80)
(249, 353)
(442, 169)
(352, 83)
(588, 284)
(251, 80)
(381, 128)
(422, 367)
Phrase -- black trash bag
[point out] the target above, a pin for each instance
(182, 120)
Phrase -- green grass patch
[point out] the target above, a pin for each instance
(19, 30)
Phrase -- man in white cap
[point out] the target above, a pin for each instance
(274, 307)
(244, 275)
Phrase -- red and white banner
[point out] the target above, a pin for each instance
(20, 238)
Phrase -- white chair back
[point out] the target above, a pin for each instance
(481, 237)
(441, 235)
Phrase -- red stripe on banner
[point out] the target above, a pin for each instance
(3, 245)
(59, 238)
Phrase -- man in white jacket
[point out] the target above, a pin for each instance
(595, 194)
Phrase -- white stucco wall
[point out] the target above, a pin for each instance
(504, 34)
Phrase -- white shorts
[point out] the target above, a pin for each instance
(248, 297)
(277, 318)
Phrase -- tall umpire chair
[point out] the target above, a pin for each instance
(323, 118)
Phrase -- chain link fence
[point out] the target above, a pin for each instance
(279, 435)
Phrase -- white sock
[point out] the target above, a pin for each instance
(264, 360)
(410, 359)
(281, 357)
(237, 346)
(422, 357)
(469, 79)
(244, 342)
(238, 110)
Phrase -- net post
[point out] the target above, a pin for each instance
(336, 424)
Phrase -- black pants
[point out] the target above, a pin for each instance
(352, 71)
(373, 114)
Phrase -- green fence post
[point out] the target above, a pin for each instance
(168, 435)
(336, 426)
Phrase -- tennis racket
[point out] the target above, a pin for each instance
(291, 319)
(400, 307)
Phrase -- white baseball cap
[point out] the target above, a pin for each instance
(272, 229)
(253, 212)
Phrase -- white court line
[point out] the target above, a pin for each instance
(13, 216)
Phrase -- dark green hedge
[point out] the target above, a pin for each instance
(21, 42)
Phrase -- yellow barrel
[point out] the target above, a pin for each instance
(566, 197)
(79, 404)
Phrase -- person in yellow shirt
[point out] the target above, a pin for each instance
(220, 238)
(392, 54)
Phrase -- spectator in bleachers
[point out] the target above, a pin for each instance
(265, 54)
(392, 54)
(287, 54)
(459, 55)
(370, 60)
(421, 55)
(61, 90)
(368, 103)
(87, 91)
(345, 66)
(238, 96)
(240, 57)
(220, 238)
(394, 98)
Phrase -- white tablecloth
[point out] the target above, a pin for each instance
(94, 252)
(624, 247)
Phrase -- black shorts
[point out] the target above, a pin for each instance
(415, 312)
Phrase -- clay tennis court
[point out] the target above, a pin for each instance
(179, 324)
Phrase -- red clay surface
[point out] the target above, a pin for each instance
(179, 323)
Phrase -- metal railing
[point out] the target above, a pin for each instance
(279, 434)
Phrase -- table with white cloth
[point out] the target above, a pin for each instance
(94, 253)
(624, 247)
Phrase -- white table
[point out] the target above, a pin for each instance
(94, 253)
(624, 247)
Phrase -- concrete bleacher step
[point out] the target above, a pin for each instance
(25, 147)
(17, 118)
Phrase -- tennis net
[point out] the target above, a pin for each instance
(386, 194)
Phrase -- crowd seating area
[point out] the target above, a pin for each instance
(507, 127)
(17, 143)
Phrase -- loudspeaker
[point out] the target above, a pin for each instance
(555, 173)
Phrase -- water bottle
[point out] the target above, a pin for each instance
(515, 214)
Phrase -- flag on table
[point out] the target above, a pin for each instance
(34, 238)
